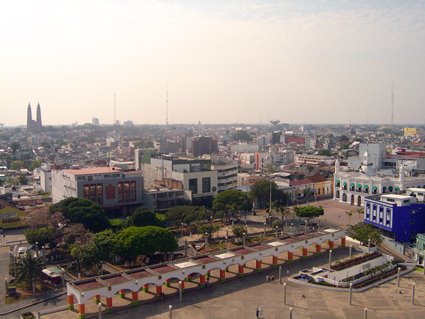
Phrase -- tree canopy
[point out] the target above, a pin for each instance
(260, 192)
(41, 236)
(186, 214)
(308, 212)
(84, 211)
(143, 217)
(135, 241)
(231, 201)
(363, 232)
(242, 135)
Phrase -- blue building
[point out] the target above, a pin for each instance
(401, 217)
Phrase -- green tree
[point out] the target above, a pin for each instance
(15, 165)
(308, 212)
(349, 214)
(84, 211)
(363, 232)
(238, 231)
(104, 244)
(360, 212)
(34, 164)
(135, 241)
(15, 146)
(231, 201)
(186, 214)
(42, 236)
(325, 152)
(207, 229)
(28, 269)
(85, 255)
(260, 192)
(23, 180)
(143, 217)
(242, 136)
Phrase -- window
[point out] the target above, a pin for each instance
(206, 185)
(126, 192)
(93, 192)
(193, 185)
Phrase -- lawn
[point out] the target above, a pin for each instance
(6, 211)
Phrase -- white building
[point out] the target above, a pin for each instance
(227, 175)
(194, 175)
(108, 186)
(46, 177)
(373, 172)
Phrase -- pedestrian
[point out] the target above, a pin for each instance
(272, 277)
(267, 278)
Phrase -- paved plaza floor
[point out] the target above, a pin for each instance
(239, 298)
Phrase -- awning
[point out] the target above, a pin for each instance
(397, 189)
(366, 187)
(374, 188)
(359, 185)
(352, 184)
(345, 183)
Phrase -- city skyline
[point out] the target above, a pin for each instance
(221, 62)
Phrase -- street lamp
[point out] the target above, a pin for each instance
(206, 239)
(99, 306)
(265, 225)
(277, 229)
(368, 246)
(330, 258)
(243, 238)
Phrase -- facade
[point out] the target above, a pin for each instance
(194, 175)
(46, 177)
(401, 217)
(227, 175)
(161, 199)
(34, 125)
(203, 145)
(374, 173)
(109, 187)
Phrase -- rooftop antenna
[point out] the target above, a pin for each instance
(166, 106)
(392, 104)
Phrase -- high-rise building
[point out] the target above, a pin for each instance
(34, 126)
(203, 145)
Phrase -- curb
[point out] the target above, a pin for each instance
(32, 304)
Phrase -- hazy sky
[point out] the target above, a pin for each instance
(223, 61)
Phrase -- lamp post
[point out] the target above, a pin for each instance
(170, 312)
(99, 307)
(265, 225)
(63, 276)
(277, 230)
(413, 293)
(350, 251)
(243, 238)
(398, 277)
(206, 239)
(368, 246)
(330, 258)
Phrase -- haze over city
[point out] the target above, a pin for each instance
(222, 61)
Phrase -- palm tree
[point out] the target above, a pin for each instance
(360, 211)
(349, 213)
(28, 268)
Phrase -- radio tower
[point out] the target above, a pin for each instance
(166, 106)
(115, 111)
(392, 104)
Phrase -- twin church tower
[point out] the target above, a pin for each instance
(37, 125)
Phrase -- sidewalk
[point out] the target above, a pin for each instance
(43, 297)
